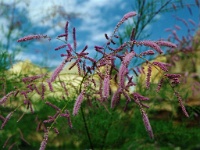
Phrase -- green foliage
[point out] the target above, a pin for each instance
(108, 130)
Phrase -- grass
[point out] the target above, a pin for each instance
(114, 130)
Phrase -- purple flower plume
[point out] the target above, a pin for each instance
(147, 124)
(166, 43)
(60, 47)
(57, 71)
(116, 97)
(78, 102)
(125, 17)
(44, 141)
(123, 70)
(3, 99)
(52, 105)
(106, 86)
(128, 15)
(121, 75)
(66, 30)
(152, 45)
(6, 120)
(160, 84)
(181, 103)
(31, 37)
(32, 78)
(162, 65)
(148, 52)
(128, 58)
(140, 97)
(148, 76)
(74, 37)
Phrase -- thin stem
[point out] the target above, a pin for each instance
(83, 115)
(86, 128)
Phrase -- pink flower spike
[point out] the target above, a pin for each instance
(192, 22)
(166, 43)
(6, 120)
(70, 47)
(148, 52)
(99, 47)
(50, 85)
(181, 103)
(162, 66)
(3, 99)
(148, 77)
(74, 37)
(160, 84)
(147, 124)
(44, 141)
(66, 30)
(106, 86)
(78, 102)
(125, 17)
(121, 75)
(60, 47)
(152, 45)
(128, 15)
(128, 58)
(177, 27)
(31, 37)
(52, 105)
(32, 78)
(140, 97)
(172, 76)
(57, 71)
(116, 97)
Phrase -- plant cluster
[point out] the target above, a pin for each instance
(96, 76)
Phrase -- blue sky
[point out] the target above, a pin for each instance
(95, 18)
